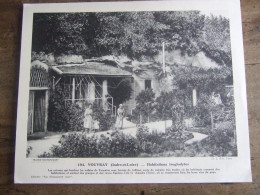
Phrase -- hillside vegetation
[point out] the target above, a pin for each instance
(136, 35)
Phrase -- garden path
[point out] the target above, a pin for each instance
(43, 145)
(40, 146)
(197, 137)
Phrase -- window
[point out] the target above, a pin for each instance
(148, 84)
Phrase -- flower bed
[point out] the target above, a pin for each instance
(118, 144)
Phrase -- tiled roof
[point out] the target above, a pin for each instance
(91, 68)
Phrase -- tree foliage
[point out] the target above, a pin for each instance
(134, 34)
(206, 81)
(61, 116)
(215, 40)
(169, 105)
(144, 105)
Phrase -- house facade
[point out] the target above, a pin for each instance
(90, 82)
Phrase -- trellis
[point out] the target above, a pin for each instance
(78, 90)
(38, 77)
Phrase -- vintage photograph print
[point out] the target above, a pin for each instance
(131, 84)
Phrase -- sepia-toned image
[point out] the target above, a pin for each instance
(131, 84)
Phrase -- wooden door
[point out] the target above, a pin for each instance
(39, 111)
(30, 113)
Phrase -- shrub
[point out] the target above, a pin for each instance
(135, 117)
(28, 151)
(154, 143)
(123, 145)
(230, 132)
(61, 116)
(105, 118)
(144, 105)
(104, 146)
(217, 144)
(177, 126)
(75, 145)
(201, 112)
(118, 144)
(148, 142)
(169, 105)
(69, 116)
(78, 145)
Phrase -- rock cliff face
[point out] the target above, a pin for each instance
(146, 64)
(177, 58)
(172, 58)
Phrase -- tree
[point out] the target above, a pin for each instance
(206, 81)
(60, 33)
(215, 40)
(170, 105)
(137, 35)
(144, 101)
